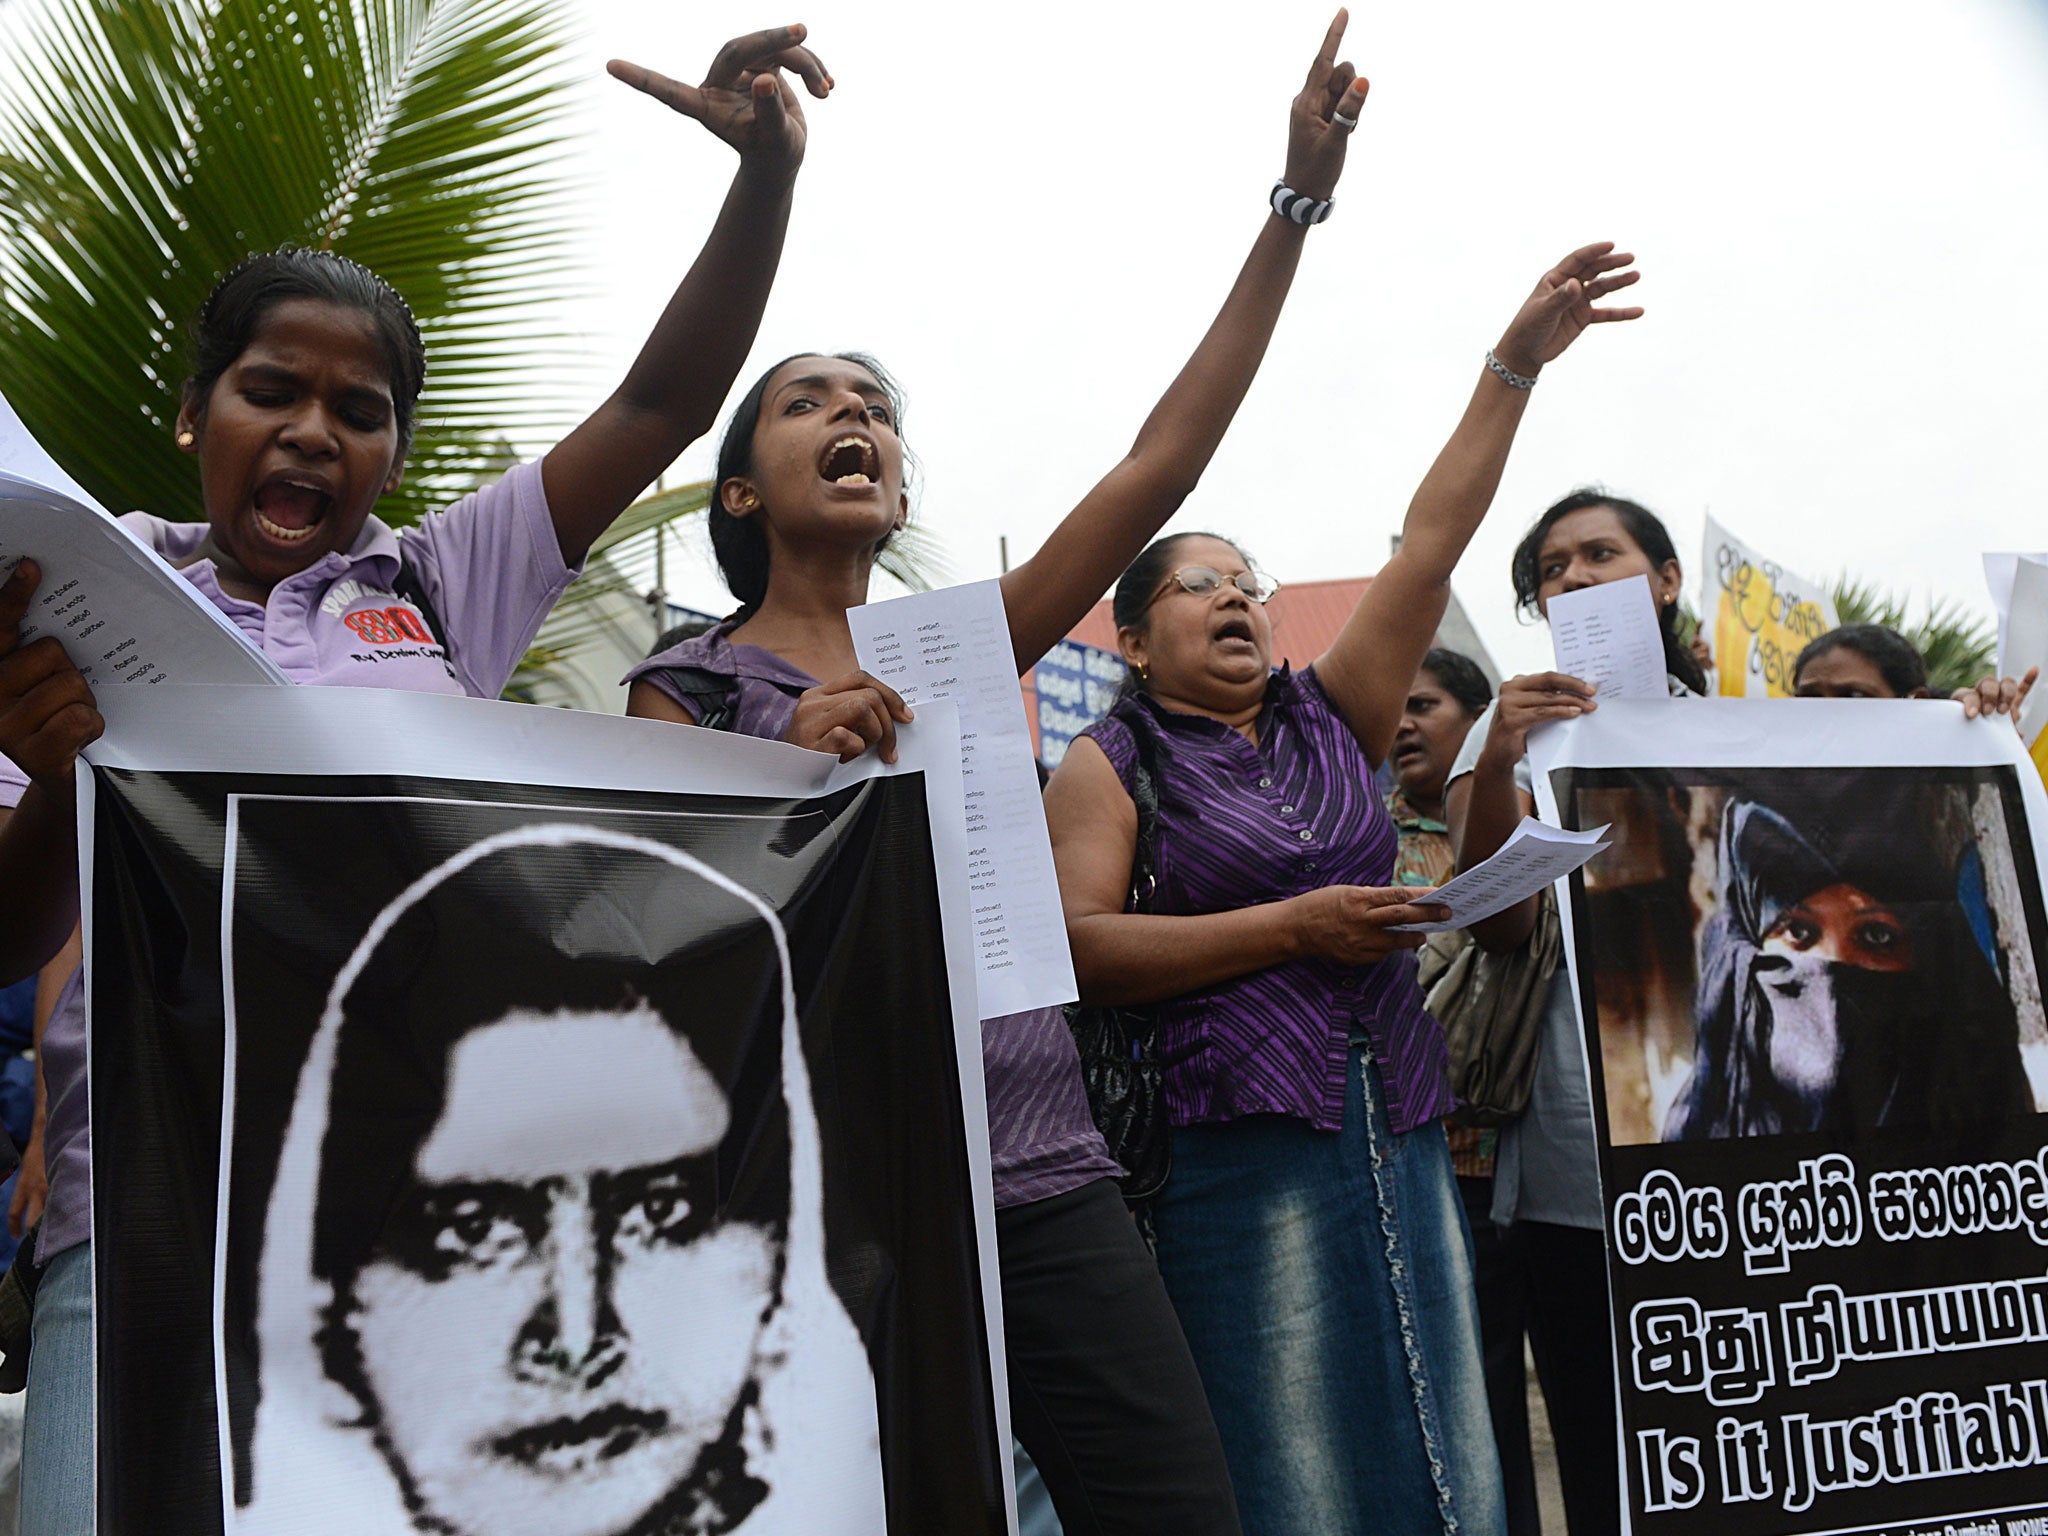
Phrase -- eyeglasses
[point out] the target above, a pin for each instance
(1202, 581)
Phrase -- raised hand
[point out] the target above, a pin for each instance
(1561, 306)
(847, 716)
(1315, 139)
(46, 710)
(745, 98)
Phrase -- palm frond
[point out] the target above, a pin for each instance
(1959, 646)
(148, 145)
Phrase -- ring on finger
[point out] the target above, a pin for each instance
(1346, 123)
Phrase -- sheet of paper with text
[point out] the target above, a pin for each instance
(954, 644)
(1608, 635)
(121, 612)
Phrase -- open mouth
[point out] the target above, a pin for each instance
(1235, 629)
(563, 1447)
(290, 507)
(851, 460)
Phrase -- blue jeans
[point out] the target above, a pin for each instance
(56, 1446)
(1325, 1284)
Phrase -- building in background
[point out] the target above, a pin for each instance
(1076, 683)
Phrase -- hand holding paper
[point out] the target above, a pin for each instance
(1536, 855)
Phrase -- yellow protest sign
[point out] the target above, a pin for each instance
(1758, 617)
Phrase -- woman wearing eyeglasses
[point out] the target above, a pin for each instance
(1310, 1233)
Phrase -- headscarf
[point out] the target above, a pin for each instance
(627, 919)
(1933, 1045)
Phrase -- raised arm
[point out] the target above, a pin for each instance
(1053, 590)
(671, 394)
(1367, 668)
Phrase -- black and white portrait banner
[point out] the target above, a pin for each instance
(1808, 975)
(512, 1122)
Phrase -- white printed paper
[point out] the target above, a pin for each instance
(954, 644)
(1535, 855)
(1608, 636)
(22, 456)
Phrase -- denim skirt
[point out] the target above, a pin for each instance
(1324, 1280)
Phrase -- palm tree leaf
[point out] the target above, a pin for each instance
(148, 145)
(1959, 646)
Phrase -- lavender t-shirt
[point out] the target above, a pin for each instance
(1042, 1140)
(492, 567)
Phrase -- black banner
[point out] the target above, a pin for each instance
(1815, 1029)
(592, 1163)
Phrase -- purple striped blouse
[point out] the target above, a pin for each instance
(1042, 1140)
(1241, 824)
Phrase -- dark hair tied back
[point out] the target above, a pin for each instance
(1650, 535)
(738, 543)
(240, 302)
(1459, 676)
(1132, 599)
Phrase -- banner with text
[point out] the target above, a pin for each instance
(1758, 617)
(1808, 973)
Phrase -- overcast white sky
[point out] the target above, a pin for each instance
(1030, 213)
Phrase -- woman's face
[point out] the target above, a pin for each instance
(1843, 925)
(1842, 673)
(1591, 546)
(555, 1323)
(296, 441)
(1433, 727)
(828, 465)
(1209, 649)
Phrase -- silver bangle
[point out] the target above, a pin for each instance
(1508, 376)
(1299, 206)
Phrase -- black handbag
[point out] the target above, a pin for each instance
(1119, 1044)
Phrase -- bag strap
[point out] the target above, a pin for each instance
(1145, 796)
(714, 693)
(409, 586)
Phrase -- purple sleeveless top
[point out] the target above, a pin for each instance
(1043, 1141)
(1242, 824)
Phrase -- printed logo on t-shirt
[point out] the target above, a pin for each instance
(398, 623)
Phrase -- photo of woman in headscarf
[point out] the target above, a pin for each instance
(544, 1254)
(1849, 978)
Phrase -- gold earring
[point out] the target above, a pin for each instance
(1144, 673)
(186, 439)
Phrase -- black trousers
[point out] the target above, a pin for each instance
(1503, 1314)
(1564, 1275)
(1103, 1392)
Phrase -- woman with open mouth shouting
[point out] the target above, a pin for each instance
(810, 487)
(300, 407)
(1311, 1233)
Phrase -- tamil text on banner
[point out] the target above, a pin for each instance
(1758, 617)
(1809, 978)
(516, 1121)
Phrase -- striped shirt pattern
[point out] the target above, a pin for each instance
(1042, 1139)
(1243, 824)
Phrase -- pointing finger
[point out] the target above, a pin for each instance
(673, 94)
(1326, 56)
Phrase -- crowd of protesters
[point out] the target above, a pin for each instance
(1327, 1335)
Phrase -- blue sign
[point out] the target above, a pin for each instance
(1076, 685)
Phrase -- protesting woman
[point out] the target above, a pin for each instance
(1310, 1232)
(306, 372)
(811, 485)
(1546, 1187)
